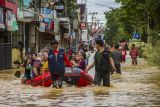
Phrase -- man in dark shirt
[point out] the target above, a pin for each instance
(117, 58)
(102, 62)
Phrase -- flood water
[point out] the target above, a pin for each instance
(138, 86)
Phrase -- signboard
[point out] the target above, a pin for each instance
(20, 13)
(28, 14)
(14, 23)
(136, 36)
(83, 25)
(27, 3)
(56, 26)
(42, 27)
(1, 18)
(48, 13)
(11, 21)
(84, 35)
(59, 5)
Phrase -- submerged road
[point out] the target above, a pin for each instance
(138, 86)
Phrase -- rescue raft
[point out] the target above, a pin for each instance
(75, 77)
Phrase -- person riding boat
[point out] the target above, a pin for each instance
(36, 68)
(56, 63)
(82, 63)
(44, 67)
(27, 63)
(76, 60)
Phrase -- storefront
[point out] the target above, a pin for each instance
(8, 24)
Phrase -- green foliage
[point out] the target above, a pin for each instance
(133, 15)
(152, 53)
(116, 29)
(136, 15)
(71, 8)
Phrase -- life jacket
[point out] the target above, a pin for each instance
(56, 65)
(104, 65)
(45, 66)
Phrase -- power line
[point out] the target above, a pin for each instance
(100, 4)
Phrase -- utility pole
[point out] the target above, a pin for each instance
(92, 17)
(24, 33)
(98, 23)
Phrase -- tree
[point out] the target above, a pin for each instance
(134, 15)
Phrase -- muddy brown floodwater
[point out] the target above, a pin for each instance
(138, 86)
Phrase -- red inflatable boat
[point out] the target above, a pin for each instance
(76, 77)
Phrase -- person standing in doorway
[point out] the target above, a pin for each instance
(117, 57)
(102, 62)
(134, 54)
(56, 63)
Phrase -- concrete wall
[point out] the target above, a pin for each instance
(15, 56)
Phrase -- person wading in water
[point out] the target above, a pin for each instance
(102, 62)
(134, 54)
(56, 62)
(117, 58)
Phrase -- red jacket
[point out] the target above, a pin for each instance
(134, 53)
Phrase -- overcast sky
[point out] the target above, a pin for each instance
(93, 6)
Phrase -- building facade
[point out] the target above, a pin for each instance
(27, 26)
(8, 10)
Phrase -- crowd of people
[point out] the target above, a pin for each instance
(37, 64)
(107, 60)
